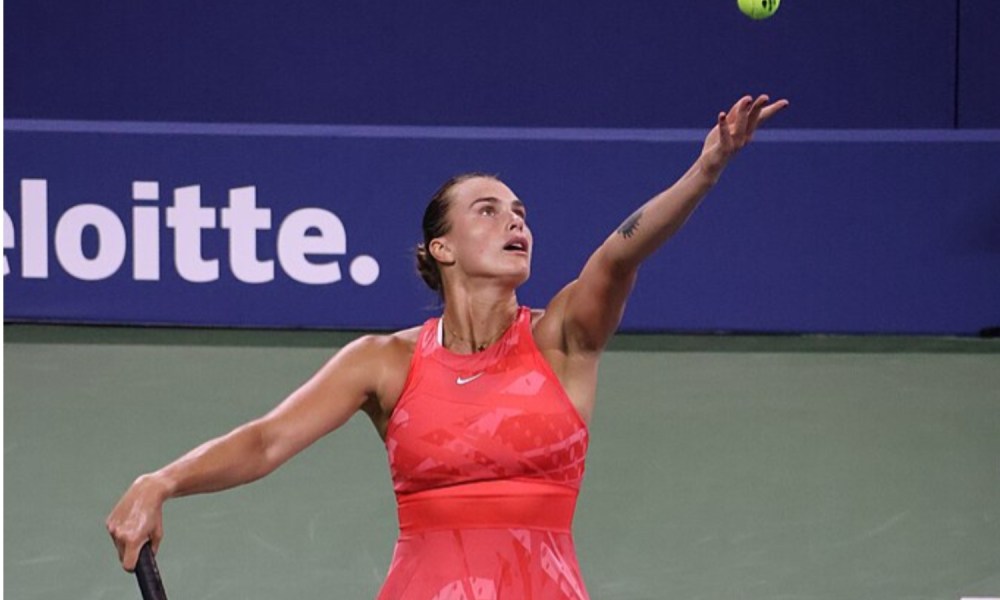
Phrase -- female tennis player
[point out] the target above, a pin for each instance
(483, 410)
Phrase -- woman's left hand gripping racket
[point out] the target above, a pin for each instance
(148, 575)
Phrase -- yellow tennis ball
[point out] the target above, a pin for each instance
(758, 9)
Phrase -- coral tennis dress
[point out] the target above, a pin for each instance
(487, 456)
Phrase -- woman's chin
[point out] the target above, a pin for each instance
(516, 278)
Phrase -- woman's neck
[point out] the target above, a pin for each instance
(473, 324)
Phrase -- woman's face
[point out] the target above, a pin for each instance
(489, 237)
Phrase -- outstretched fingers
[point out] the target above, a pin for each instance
(725, 138)
(739, 106)
(760, 112)
(769, 111)
(742, 117)
(755, 111)
(735, 128)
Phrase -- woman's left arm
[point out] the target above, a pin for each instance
(592, 306)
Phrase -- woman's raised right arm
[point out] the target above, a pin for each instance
(325, 402)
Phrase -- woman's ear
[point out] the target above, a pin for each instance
(441, 251)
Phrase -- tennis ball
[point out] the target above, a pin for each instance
(758, 9)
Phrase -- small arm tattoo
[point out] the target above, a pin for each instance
(631, 224)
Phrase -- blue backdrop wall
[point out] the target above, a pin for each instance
(267, 165)
(919, 63)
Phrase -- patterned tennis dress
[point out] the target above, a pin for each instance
(487, 456)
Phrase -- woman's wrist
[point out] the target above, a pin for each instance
(158, 484)
(709, 167)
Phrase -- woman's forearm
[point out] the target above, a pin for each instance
(234, 459)
(657, 220)
(660, 218)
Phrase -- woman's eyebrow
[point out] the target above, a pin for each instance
(487, 199)
(494, 200)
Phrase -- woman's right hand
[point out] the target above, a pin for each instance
(137, 518)
(735, 129)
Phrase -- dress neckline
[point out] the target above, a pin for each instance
(490, 352)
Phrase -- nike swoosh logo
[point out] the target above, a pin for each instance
(465, 380)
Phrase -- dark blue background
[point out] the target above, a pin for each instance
(918, 63)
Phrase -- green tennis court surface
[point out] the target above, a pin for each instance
(721, 467)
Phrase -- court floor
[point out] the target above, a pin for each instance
(720, 467)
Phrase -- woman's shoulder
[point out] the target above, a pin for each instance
(386, 346)
(385, 358)
(404, 340)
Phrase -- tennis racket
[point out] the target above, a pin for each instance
(148, 575)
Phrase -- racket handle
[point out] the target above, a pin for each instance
(148, 575)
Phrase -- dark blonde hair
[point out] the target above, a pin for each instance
(436, 224)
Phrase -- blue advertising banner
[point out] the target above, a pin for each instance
(314, 226)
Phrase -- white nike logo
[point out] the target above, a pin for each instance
(465, 380)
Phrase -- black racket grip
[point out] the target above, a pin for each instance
(148, 575)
